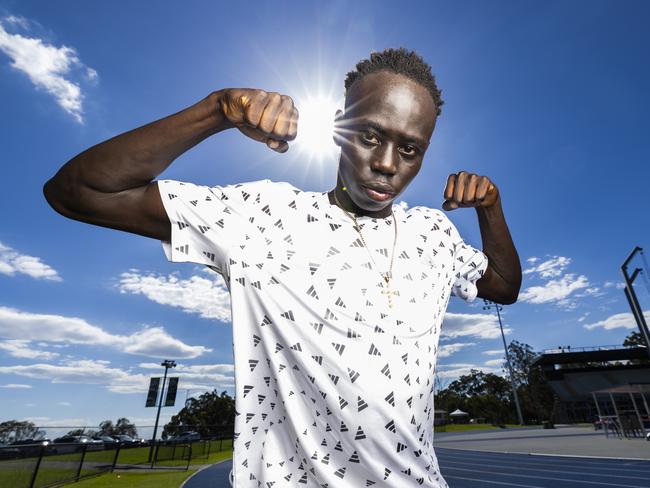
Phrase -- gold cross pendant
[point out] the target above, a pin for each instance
(389, 293)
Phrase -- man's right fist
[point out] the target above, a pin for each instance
(266, 117)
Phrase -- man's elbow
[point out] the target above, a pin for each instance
(60, 197)
(511, 297)
(501, 296)
(509, 300)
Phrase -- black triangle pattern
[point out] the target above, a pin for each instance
(319, 336)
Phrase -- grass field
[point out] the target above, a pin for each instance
(61, 467)
(148, 479)
(215, 457)
(145, 479)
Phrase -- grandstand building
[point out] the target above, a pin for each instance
(575, 374)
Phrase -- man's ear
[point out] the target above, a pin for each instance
(338, 116)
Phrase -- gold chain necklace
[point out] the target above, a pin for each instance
(385, 276)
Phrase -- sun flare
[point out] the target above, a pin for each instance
(316, 126)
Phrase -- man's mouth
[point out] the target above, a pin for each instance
(377, 194)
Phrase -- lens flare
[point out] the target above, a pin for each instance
(316, 126)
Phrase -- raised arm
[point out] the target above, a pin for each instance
(502, 279)
(112, 183)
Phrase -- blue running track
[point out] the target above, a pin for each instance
(476, 469)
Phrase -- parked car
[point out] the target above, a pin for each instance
(109, 442)
(7, 452)
(126, 439)
(31, 447)
(74, 441)
(186, 437)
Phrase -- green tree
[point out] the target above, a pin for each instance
(535, 394)
(16, 430)
(634, 339)
(210, 414)
(125, 427)
(482, 395)
(107, 427)
(122, 427)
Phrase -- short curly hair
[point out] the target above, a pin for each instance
(399, 61)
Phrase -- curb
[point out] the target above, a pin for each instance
(201, 469)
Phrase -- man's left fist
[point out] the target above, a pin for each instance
(469, 190)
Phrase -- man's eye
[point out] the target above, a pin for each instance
(369, 137)
(408, 150)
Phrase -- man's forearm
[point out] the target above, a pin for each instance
(136, 157)
(498, 245)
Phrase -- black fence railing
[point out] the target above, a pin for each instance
(44, 464)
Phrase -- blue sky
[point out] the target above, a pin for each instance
(548, 99)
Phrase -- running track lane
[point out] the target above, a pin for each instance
(476, 469)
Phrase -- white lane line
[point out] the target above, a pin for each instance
(526, 453)
(543, 478)
(491, 459)
(547, 470)
(646, 460)
(491, 482)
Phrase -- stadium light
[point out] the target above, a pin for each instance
(630, 294)
(487, 306)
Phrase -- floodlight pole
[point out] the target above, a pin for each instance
(488, 305)
(166, 364)
(630, 294)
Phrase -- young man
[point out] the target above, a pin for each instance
(338, 297)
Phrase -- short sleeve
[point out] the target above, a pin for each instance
(206, 221)
(469, 266)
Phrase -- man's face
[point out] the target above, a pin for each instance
(383, 136)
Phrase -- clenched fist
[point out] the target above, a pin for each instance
(263, 116)
(469, 190)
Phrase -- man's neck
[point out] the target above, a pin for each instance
(346, 203)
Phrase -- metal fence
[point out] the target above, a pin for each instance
(52, 464)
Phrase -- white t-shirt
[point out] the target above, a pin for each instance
(333, 388)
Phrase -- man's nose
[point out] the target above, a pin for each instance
(385, 161)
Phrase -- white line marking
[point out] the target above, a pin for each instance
(442, 456)
(493, 482)
(550, 455)
(547, 470)
(545, 478)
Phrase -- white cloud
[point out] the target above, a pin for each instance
(493, 352)
(116, 380)
(194, 368)
(447, 350)
(532, 259)
(455, 370)
(48, 67)
(617, 285)
(16, 386)
(557, 291)
(617, 321)
(150, 341)
(550, 268)
(482, 326)
(156, 342)
(207, 297)
(20, 21)
(494, 363)
(12, 262)
(24, 349)
(65, 404)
